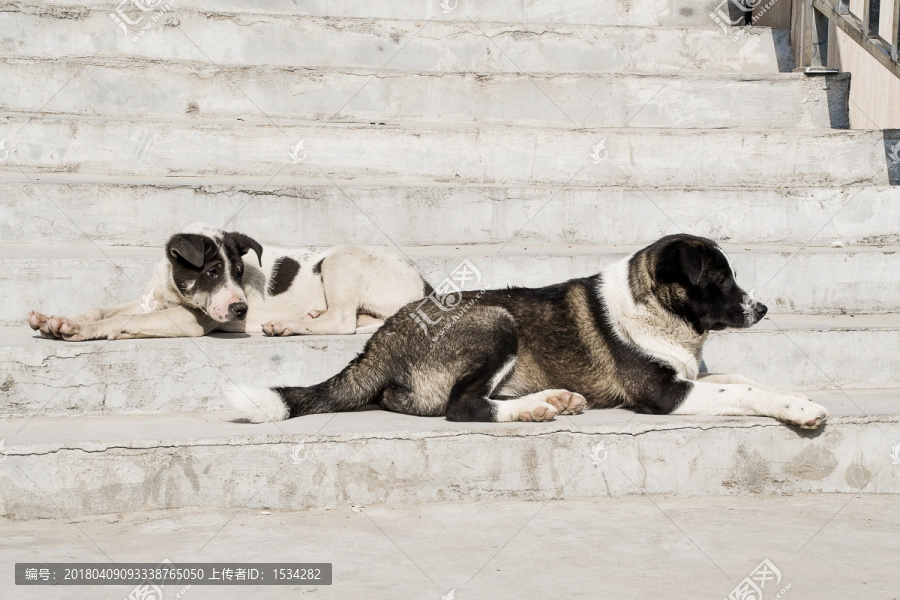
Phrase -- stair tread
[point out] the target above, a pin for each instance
(20, 251)
(218, 427)
(13, 336)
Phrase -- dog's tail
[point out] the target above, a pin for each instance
(351, 389)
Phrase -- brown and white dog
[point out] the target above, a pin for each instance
(208, 282)
(631, 337)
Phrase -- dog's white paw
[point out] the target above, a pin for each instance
(805, 414)
(566, 402)
(68, 330)
(279, 328)
(527, 408)
(36, 320)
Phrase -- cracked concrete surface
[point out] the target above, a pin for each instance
(93, 465)
(860, 279)
(636, 547)
(481, 154)
(51, 377)
(162, 90)
(314, 213)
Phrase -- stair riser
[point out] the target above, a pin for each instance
(298, 43)
(161, 376)
(762, 459)
(321, 215)
(635, 157)
(653, 13)
(811, 282)
(181, 91)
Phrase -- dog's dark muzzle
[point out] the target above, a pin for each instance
(237, 311)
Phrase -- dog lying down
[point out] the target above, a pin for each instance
(208, 282)
(630, 337)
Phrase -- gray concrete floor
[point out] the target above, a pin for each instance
(825, 546)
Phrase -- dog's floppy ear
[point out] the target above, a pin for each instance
(244, 244)
(680, 262)
(187, 246)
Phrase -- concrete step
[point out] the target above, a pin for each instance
(62, 279)
(44, 377)
(186, 92)
(189, 91)
(300, 42)
(141, 212)
(650, 547)
(111, 464)
(653, 13)
(458, 153)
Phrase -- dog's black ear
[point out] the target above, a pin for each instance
(681, 262)
(244, 244)
(188, 246)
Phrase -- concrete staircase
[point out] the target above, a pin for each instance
(450, 135)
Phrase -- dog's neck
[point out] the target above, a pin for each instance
(646, 325)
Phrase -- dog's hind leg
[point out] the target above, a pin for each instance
(342, 297)
(482, 349)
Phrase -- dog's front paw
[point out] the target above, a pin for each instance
(805, 414)
(37, 320)
(280, 328)
(565, 402)
(69, 330)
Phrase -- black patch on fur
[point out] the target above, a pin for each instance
(317, 268)
(284, 271)
(189, 247)
(243, 244)
(197, 263)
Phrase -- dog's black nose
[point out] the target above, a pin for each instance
(760, 309)
(239, 310)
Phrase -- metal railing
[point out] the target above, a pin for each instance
(815, 16)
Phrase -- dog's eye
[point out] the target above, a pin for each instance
(212, 273)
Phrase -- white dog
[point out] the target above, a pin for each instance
(207, 283)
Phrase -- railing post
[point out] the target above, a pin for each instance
(895, 33)
(871, 14)
(814, 36)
